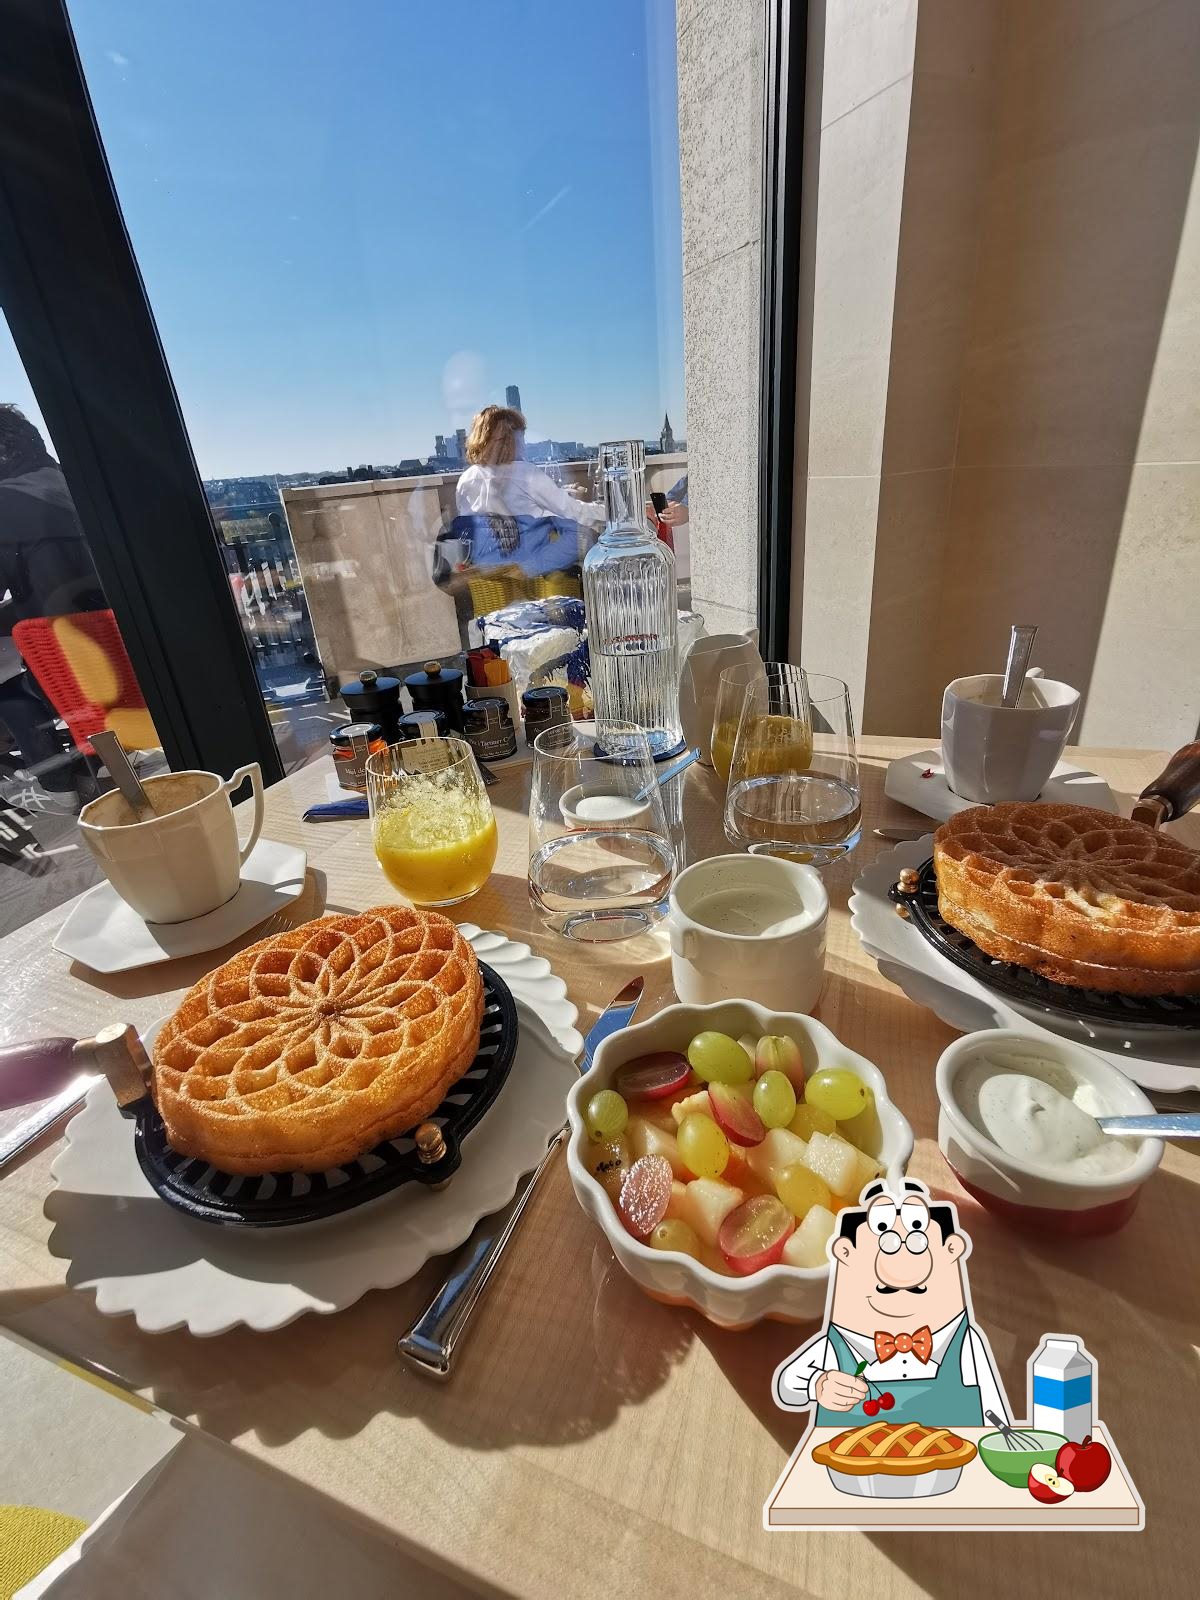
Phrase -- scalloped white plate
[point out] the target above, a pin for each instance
(1164, 1060)
(144, 1259)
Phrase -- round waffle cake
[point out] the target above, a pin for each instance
(1080, 896)
(313, 1046)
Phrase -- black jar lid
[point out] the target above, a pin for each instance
(350, 731)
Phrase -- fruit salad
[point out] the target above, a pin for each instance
(727, 1153)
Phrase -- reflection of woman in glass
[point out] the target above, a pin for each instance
(500, 482)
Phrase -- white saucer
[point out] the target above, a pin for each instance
(906, 782)
(143, 1258)
(1164, 1060)
(109, 936)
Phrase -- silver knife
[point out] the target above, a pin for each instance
(1162, 1124)
(431, 1341)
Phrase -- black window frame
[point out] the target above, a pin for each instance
(77, 310)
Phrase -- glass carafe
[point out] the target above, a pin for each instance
(629, 588)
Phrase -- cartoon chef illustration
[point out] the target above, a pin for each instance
(899, 1341)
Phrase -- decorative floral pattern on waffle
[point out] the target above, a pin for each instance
(320, 1041)
(1081, 896)
(894, 1448)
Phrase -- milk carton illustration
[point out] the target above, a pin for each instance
(1064, 1387)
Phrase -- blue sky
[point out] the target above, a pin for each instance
(357, 223)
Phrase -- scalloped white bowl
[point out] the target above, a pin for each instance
(790, 1294)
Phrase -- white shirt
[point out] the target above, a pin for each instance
(519, 489)
(795, 1379)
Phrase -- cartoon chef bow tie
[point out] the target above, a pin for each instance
(920, 1343)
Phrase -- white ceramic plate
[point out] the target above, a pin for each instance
(933, 797)
(109, 936)
(142, 1258)
(1164, 1060)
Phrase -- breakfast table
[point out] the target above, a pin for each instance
(590, 1441)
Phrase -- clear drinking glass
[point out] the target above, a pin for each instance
(601, 861)
(732, 687)
(793, 782)
(431, 820)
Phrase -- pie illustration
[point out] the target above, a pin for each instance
(894, 1449)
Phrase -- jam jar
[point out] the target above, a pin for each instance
(352, 743)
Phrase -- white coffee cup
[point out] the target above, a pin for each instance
(185, 860)
(994, 752)
(749, 928)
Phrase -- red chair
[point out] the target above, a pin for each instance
(84, 670)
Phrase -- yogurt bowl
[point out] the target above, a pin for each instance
(788, 1293)
(1027, 1157)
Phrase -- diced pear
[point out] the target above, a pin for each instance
(697, 1103)
(833, 1160)
(778, 1150)
(706, 1205)
(676, 1204)
(648, 1139)
(806, 1246)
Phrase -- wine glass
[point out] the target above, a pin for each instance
(794, 784)
(732, 688)
(431, 820)
(601, 861)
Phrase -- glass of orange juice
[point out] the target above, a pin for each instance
(431, 820)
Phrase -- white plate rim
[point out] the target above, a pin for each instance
(164, 1302)
(906, 959)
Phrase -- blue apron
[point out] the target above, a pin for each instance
(942, 1400)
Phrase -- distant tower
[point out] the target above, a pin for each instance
(666, 439)
(460, 439)
(512, 397)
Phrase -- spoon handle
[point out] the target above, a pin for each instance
(1020, 648)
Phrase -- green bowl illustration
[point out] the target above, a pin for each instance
(1012, 1466)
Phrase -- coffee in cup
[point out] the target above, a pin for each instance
(994, 752)
(186, 859)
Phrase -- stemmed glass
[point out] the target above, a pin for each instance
(601, 861)
(431, 820)
(794, 783)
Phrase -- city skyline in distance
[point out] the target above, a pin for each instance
(344, 262)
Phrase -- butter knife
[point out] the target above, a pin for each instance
(430, 1343)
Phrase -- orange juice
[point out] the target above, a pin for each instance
(437, 854)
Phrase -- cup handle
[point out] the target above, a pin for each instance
(252, 771)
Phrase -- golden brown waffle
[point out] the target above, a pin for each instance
(313, 1046)
(896, 1449)
(1080, 896)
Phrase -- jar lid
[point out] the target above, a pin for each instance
(349, 731)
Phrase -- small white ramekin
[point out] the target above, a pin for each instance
(1041, 1197)
(791, 1294)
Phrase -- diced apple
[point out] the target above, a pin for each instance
(691, 1104)
(648, 1139)
(676, 1204)
(706, 1205)
(806, 1247)
(778, 1150)
(833, 1160)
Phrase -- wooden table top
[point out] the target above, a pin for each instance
(591, 1441)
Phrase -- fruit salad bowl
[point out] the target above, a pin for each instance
(763, 1164)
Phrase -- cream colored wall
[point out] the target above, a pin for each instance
(1003, 420)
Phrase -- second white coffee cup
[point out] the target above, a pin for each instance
(749, 928)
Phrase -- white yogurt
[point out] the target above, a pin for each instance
(1037, 1111)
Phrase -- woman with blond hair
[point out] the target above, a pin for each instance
(500, 482)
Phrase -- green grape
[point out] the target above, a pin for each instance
(800, 1190)
(606, 1115)
(704, 1148)
(840, 1093)
(675, 1235)
(808, 1120)
(717, 1058)
(774, 1100)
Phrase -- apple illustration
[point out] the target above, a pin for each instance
(1046, 1485)
(1086, 1465)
